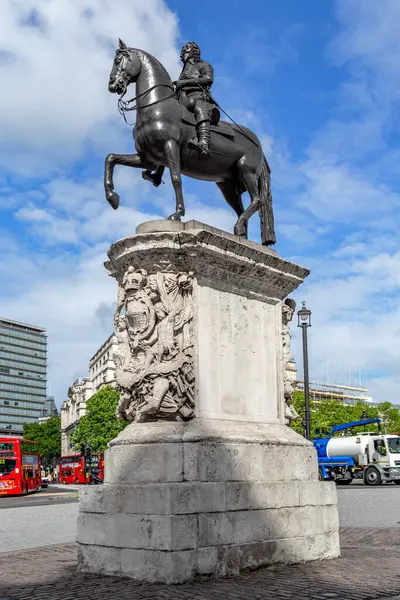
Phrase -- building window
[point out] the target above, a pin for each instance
(4, 370)
(15, 403)
(6, 402)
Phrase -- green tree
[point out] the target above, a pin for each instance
(325, 414)
(100, 424)
(390, 416)
(48, 436)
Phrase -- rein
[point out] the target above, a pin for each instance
(123, 105)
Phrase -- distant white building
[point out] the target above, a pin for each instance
(342, 393)
(101, 373)
(102, 367)
(329, 391)
(72, 410)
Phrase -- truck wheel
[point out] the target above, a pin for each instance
(397, 482)
(372, 476)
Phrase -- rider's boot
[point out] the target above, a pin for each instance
(203, 137)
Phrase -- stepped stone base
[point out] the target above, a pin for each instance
(206, 497)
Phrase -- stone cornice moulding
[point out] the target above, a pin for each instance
(238, 265)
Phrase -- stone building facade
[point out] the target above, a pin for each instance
(102, 367)
(101, 373)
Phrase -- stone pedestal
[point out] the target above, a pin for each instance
(232, 487)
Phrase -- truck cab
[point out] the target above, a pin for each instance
(383, 460)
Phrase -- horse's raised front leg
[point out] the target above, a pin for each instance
(129, 160)
(248, 176)
(172, 153)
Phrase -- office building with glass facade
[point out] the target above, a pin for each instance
(23, 375)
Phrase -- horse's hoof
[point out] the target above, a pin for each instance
(113, 200)
(175, 217)
(240, 230)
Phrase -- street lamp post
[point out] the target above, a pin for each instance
(304, 321)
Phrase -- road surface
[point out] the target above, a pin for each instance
(365, 506)
(47, 517)
(51, 495)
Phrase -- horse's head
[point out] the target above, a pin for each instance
(125, 69)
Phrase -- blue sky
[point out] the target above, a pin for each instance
(318, 81)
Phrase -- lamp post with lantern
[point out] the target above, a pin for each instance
(304, 321)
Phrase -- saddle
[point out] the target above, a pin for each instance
(220, 127)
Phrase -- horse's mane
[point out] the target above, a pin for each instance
(149, 59)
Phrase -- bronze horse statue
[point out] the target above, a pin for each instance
(235, 162)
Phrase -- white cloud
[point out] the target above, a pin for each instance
(55, 58)
(339, 192)
(356, 320)
(64, 295)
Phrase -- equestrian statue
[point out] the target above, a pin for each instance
(178, 127)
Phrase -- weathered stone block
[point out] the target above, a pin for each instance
(157, 498)
(315, 494)
(222, 462)
(151, 566)
(232, 559)
(145, 462)
(261, 494)
(99, 559)
(156, 532)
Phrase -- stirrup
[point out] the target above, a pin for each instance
(196, 144)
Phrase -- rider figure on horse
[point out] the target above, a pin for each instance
(193, 87)
(194, 83)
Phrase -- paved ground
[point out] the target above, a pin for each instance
(32, 526)
(367, 570)
(364, 506)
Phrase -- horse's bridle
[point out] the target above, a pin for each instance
(123, 105)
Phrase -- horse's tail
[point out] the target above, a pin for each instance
(265, 211)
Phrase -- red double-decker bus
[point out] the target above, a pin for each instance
(20, 470)
(76, 469)
(72, 469)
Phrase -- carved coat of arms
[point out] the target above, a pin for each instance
(154, 359)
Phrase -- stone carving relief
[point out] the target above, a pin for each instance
(154, 359)
(288, 308)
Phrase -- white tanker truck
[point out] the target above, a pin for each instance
(375, 458)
